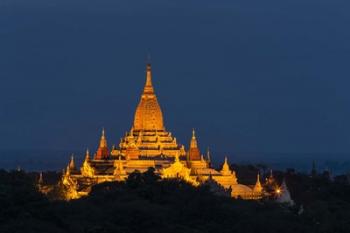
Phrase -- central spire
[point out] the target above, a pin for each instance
(148, 115)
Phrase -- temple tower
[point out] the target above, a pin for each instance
(86, 169)
(71, 163)
(148, 115)
(257, 187)
(225, 170)
(194, 152)
(102, 151)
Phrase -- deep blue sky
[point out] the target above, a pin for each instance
(251, 76)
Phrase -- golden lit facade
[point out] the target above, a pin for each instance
(148, 136)
(149, 144)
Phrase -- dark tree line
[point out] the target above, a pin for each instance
(144, 203)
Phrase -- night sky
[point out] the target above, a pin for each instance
(250, 76)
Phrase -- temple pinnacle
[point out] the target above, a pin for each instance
(71, 163)
(225, 168)
(148, 90)
(87, 155)
(193, 143)
(258, 188)
(103, 141)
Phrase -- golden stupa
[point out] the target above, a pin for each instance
(149, 144)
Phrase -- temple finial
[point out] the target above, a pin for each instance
(103, 141)
(87, 155)
(71, 163)
(102, 151)
(226, 168)
(148, 86)
(193, 143)
(257, 187)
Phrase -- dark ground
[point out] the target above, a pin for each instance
(145, 204)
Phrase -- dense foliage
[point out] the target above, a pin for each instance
(146, 204)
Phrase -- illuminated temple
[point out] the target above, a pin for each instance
(149, 144)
